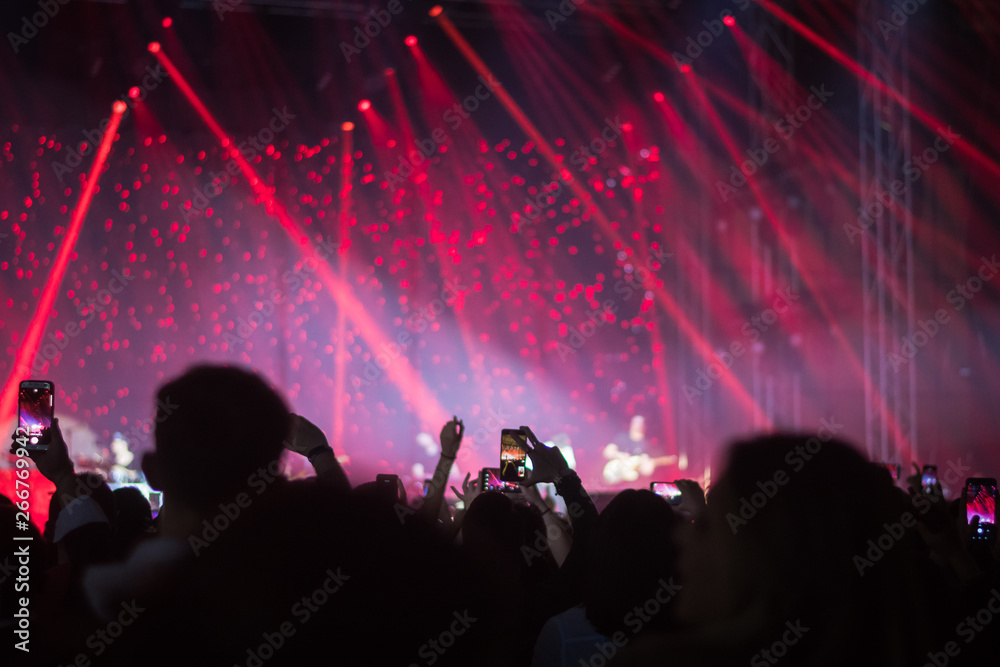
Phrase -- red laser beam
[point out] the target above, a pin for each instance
(33, 337)
(400, 372)
(607, 227)
(932, 123)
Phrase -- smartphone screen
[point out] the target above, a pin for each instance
(36, 407)
(667, 490)
(427, 486)
(929, 477)
(155, 500)
(513, 455)
(980, 501)
(489, 480)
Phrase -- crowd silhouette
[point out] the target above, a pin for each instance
(817, 559)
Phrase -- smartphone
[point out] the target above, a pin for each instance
(513, 455)
(35, 410)
(928, 478)
(427, 486)
(388, 484)
(489, 480)
(980, 500)
(667, 491)
(155, 500)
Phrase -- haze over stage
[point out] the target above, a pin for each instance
(722, 216)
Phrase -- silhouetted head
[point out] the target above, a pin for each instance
(787, 535)
(495, 531)
(215, 428)
(632, 564)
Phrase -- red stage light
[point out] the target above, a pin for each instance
(167, 22)
(389, 71)
(364, 105)
(347, 127)
(411, 41)
(685, 68)
(658, 97)
(154, 47)
(134, 92)
(435, 10)
(119, 106)
(729, 20)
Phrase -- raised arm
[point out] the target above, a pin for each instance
(451, 440)
(308, 440)
(548, 465)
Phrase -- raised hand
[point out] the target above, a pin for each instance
(692, 503)
(53, 462)
(469, 490)
(305, 436)
(547, 463)
(451, 437)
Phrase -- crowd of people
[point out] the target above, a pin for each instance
(802, 552)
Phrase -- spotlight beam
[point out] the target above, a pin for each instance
(33, 337)
(346, 172)
(928, 120)
(788, 243)
(401, 373)
(549, 154)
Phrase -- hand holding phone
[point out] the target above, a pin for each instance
(928, 478)
(513, 455)
(390, 486)
(666, 490)
(547, 463)
(35, 411)
(53, 460)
